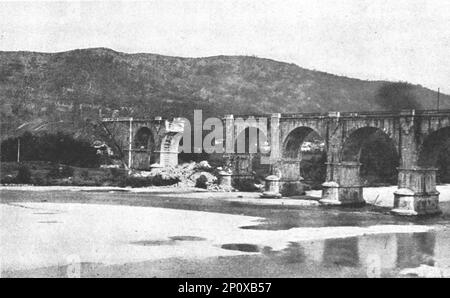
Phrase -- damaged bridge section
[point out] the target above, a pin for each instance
(146, 143)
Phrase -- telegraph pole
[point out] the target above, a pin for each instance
(18, 150)
(130, 144)
(438, 99)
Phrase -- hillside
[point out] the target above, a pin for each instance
(64, 91)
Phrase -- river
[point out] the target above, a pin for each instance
(125, 234)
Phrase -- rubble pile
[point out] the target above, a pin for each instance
(187, 175)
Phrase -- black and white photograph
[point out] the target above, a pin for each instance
(253, 140)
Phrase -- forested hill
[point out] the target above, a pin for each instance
(64, 91)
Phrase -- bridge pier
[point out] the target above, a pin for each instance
(272, 187)
(416, 194)
(140, 158)
(290, 181)
(343, 185)
(241, 165)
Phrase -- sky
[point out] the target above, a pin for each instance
(394, 40)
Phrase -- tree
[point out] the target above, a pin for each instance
(59, 148)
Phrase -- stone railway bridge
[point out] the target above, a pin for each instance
(417, 137)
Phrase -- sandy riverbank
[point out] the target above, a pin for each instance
(47, 234)
(379, 196)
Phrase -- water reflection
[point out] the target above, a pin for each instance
(341, 252)
(376, 255)
(415, 249)
(378, 250)
(292, 254)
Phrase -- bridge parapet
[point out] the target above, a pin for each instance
(334, 114)
(116, 119)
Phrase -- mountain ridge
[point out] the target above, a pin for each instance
(144, 84)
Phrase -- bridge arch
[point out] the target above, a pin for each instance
(251, 146)
(143, 148)
(252, 139)
(369, 129)
(144, 139)
(376, 151)
(248, 126)
(307, 146)
(294, 140)
(430, 128)
(434, 152)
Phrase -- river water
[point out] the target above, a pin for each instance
(216, 238)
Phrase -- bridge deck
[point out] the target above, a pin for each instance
(331, 114)
(385, 114)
